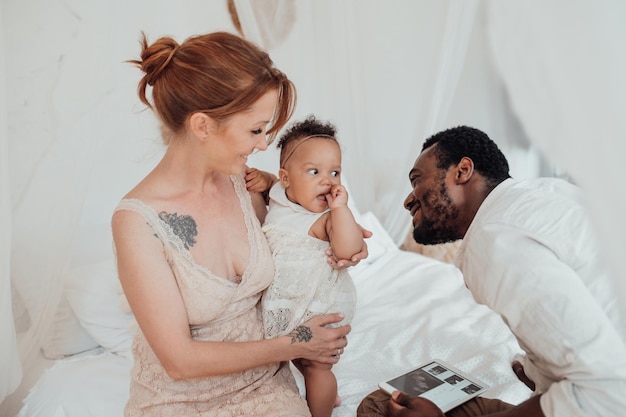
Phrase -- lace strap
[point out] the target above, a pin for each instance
(162, 230)
(249, 217)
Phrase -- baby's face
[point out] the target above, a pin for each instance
(311, 171)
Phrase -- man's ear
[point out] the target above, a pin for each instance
(201, 125)
(464, 170)
(283, 177)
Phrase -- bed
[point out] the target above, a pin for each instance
(410, 308)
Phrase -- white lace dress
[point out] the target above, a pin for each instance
(218, 310)
(304, 284)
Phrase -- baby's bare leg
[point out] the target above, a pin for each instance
(321, 387)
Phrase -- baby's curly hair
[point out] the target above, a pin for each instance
(302, 130)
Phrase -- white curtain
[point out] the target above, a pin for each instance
(74, 137)
(567, 82)
(385, 73)
(51, 152)
(10, 365)
(77, 140)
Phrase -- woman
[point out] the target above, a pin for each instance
(191, 255)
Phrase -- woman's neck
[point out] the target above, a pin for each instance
(185, 169)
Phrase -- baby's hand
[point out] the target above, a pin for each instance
(258, 181)
(337, 197)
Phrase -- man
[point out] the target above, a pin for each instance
(529, 253)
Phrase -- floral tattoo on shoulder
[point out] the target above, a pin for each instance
(183, 226)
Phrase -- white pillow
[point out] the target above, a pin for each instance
(380, 242)
(67, 337)
(93, 292)
(87, 386)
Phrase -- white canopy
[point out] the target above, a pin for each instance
(541, 78)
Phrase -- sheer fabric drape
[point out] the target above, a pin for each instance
(72, 153)
(51, 154)
(385, 73)
(10, 366)
(567, 86)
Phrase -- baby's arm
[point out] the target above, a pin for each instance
(344, 233)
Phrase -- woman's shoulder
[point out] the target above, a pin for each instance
(138, 204)
(131, 213)
(140, 198)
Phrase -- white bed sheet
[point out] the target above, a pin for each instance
(410, 309)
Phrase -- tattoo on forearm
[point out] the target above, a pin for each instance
(301, 334)
(183, 226)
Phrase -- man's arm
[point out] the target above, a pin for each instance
(402, 405)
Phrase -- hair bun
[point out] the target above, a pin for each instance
(156, 57)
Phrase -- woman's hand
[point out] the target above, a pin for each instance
(345, 263)
(319, 343)
(403, 405)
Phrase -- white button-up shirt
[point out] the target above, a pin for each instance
(531, 255)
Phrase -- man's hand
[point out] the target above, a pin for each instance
(518, 369)
(402, 405)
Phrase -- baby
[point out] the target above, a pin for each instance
(308, 212)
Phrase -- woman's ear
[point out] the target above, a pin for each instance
(464, 170)
(283, 177)
(201, 125)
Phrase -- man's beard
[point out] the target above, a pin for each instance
(429, 234)
(438, 230)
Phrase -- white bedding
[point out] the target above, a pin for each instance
(410, 308)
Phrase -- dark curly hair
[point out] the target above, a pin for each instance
(300, 130)
(463, 141)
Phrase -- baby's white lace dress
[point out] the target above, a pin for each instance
(304, 284)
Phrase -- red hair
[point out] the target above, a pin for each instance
(219, 74)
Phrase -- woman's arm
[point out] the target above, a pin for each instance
(155, 300)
